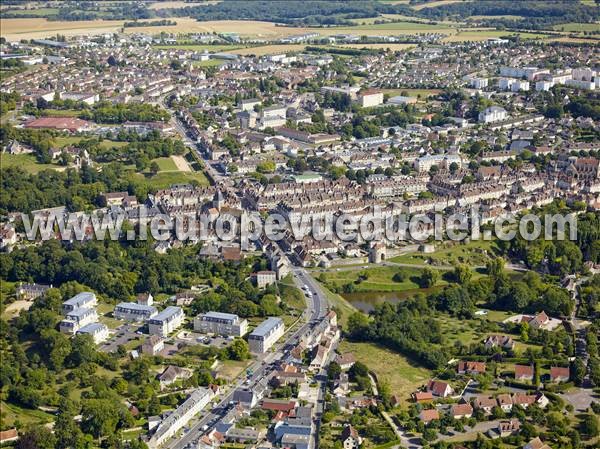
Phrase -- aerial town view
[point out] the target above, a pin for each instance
(300, 224)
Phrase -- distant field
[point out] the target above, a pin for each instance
(198, 47)
(435, 3)
(165, 164)
(385, 46)
(578, 27)
(269, 49)
(481, 35)
(178, 4)
(9, 413)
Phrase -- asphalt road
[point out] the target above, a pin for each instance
(263, 367)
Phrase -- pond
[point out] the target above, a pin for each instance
(366, 301)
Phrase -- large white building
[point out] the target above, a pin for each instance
(370, 97)
(98, 331)
(265, 335)
(132, 311)
(166, 321)
(181, 416)
(221, 324)
(424, 163)
(76, 319)
(79, 301)
(493, 114)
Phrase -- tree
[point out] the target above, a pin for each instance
(358, 323)
(578, 372)
(333, 370)
(428, 278)
(239, 350)
(589, 426)
(154, 167)
(495, 267)
(36, 437)
(462, 274)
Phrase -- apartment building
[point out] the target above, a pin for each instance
(166, 321)
(266, 334)
(98, 331)
(132, 311)
(76, 319)
(221, 323)
(79, 301)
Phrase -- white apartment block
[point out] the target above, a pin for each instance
(265, 278)
(424, 163)
(221, 324)
(478, 83)
(493, 114)
(80, 301)
(77, 319)
(265, 335)
(519, 85)
(199, 399)
(531, 73)
(132, 311)
(98, 331)
(370, 98)
(166, 321)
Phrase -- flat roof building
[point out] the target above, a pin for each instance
(221, 323)
(132, 311)
(166, 321)
(266, 334)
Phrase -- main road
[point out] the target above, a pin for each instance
(264, 367)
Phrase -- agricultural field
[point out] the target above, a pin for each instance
(578, 27)
(269, 49)
(385, 46)
(473, 35)
(165, 178)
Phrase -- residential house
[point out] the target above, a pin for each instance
(429, 415)
(462, 411)
(504, 402)
(350, 437)
(524, 372)
(153, 345)
(502, 341)
(439, 388)
(469, 367)
(559, 374)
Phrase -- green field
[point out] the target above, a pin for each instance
(9, 413)
(165, 164)
(400, 373)
(209, 63)
(475, 253)
(380, 278)
(421, 93)
(165, 179)
(198, 47)
(27, 162)
(577, 27)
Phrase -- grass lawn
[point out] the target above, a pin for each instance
(400, 373)
(9, 413)
(380, 279)
(423, 93)
(165, 179)
(474, 253)
(209, 63)
(165, 164)
(230, 369)
(61, 113)
(27, 162)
